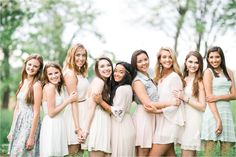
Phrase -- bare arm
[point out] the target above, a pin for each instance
(16, 110)
(207, 81)
(37, 87)
(71, 84)
(198, 104)
(53, 109)
(226, 97)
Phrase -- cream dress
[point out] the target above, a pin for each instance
(123, 130)
(99, 138)
(82, 89)
(172, 119)
(190, 135)
(53, 140)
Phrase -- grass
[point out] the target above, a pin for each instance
(6, 119)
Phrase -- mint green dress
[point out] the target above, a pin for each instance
(220, 86)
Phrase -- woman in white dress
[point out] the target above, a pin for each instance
(74, 72)
(194, 102)
(24, 133)
(169, 78)
(53, 139)
(123, 130)
(98, 123)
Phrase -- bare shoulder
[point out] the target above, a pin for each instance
(38, 85)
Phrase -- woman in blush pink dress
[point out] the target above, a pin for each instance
(194, 102)
(169, 78)
(145, 95)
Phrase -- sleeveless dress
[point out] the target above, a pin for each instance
(82, 89)
(220, 86)
(172, 119)
(22, 129)
(99, 138)
(53, 139)
(144, 121)
(189, 137)
(123, 130)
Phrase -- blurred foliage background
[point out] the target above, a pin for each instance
(41, 26)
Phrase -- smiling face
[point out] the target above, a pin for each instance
(32, 67)
(80, 58)
(104, 68)
(214, 59)
(142, 63)
(53, 75)
(119, 72)
(192, 64)
(165, 59)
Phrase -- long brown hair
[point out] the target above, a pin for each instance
(158, 66)
(29, 98)
(70, 59)
(107, 83)
(198, 74)
(45, 76)
(222, 64)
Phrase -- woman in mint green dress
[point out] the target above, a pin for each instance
(219, 85)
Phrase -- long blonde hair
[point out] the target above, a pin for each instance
(70, 60)
(158, 67)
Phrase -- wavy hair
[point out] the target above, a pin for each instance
(70, 60)
(29, 98)
(198, 74)
(158, 66)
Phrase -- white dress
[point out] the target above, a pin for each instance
(172, 119)
(123, 130)
(190, 135)
(99, 138)
(82, 89)
(53, 141)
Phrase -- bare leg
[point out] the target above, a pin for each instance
(97, 154)
(73, 149)
(171, 151)
(209, 148)
(225, 148)
(188, 153)
(142, 152)
(159, 150)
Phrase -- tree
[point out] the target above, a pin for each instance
(12, 18)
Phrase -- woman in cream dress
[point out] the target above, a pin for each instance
(74, 71)
(123, 130)
(53, 139)
(98, 123)
(194, 102)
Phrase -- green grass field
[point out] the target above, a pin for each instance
(6, 119)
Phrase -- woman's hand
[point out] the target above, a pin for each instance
(152, 109)
(211, 98)
(30, 143)
(97, 98)
(82, 136)
(73, 97)
(219, 127)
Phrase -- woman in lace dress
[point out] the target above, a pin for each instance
(218, 125)
(194, 102)
(53, 139)
(74, 72)
(24, 133)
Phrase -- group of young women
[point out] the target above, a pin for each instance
(188, 109)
